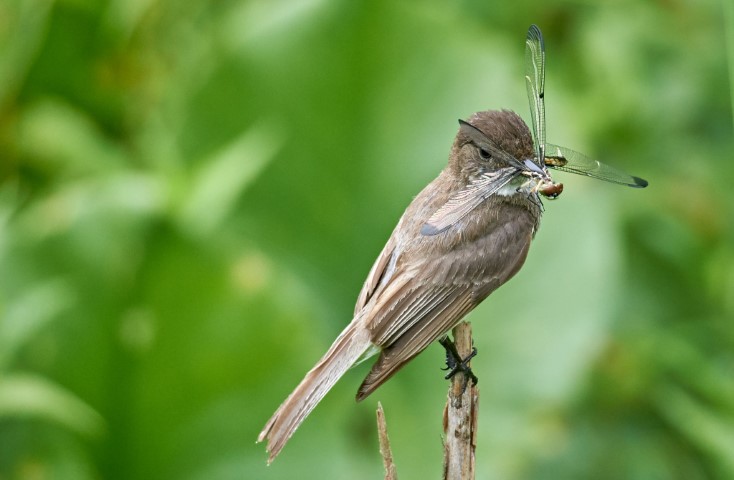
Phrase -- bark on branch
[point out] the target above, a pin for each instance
(460, 415)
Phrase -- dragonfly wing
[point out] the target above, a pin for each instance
(535, 83)
(567, 160)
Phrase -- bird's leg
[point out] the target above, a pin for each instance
(454, 362)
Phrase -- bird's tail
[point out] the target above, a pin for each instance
(346, 350)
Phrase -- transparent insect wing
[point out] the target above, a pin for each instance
(535, 83)
(567, 160)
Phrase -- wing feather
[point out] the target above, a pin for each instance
(380, 272)
(423, 303)
(446, 312)
(461, 203)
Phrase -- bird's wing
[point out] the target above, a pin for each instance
(463, 202)
(426, 317)
(422, 303)
(380, 272)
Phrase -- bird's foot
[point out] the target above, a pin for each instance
(455, 364)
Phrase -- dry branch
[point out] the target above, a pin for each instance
(460, 416)
(390, 470)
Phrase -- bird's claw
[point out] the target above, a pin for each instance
(455, 364)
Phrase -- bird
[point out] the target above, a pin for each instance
(464, 235)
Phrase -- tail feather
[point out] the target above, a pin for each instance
(346, 350)
(381, 372)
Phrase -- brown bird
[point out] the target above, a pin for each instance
(463, 236)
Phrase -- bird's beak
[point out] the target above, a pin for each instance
(533, 167)
(545, 186)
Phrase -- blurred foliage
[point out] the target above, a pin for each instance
(191, 194)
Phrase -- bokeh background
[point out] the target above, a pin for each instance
(191, 194)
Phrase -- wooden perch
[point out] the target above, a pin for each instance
(459, 419)
(460, 415)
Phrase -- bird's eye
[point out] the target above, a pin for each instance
(484, 154)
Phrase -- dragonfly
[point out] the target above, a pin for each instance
(535, 168)
(554, 156)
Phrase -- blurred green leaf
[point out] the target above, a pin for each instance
(31, 396)
(729, 28)
(66, 140)
(224, 176)
(21, 35)
(25, 316)
(703, 427)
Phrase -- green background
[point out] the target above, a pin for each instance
(191, 194)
